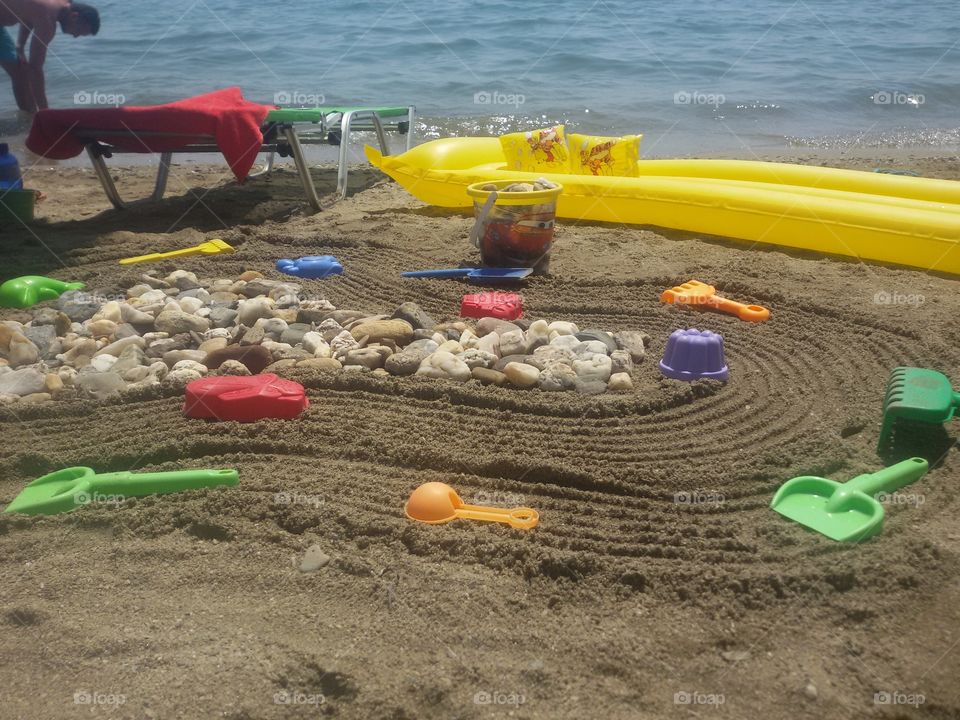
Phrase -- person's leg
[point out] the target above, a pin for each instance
(22, 90)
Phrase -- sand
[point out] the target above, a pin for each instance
(658, 584)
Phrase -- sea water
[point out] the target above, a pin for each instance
(696, 77)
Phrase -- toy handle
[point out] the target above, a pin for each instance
(453, 272)
(523, 518)
(891, 478)
(140, 484)
(750, 313)
(956, 399)
(482, 218)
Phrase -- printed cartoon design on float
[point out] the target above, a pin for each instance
(599, 158)
(547, 145)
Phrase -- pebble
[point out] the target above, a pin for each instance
(22, 351)
(102, 363)
(189, 304)
(314, 559)
(320, 364)
(179, 379)
(490, 343)
(173, 320)
(314, 344)
(182, 280)
(255, 357)
(190, 364)
(101, 328)
(538, 335)
(109, 311)
(478, 358)
(232, 367)
(100, 385)
(36, 397)
(116, 348)
(633, 342)
(294, 334)
(444, 365)
(77, 305)
(620, 382)
(44, 337)
(137, 318)
(513, 342)
(567, 342)
(175, 356)
(22, 382)
(252, 310)
(399, 331)
(559, 327)
(451, 346)
(622, 361)
(53, 383)
(488, 377)
(521, 374)
(214, 343)
(222, 317)
(414, 315)
(598, 368)
(488, 325)
(407, 361)
(367, 357)
(810, 690)
(557, 377)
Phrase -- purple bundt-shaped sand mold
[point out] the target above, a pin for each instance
(693, 354)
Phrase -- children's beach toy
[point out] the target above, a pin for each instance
(514, 228)
(211, 247)
(245, 398)
(699, 294)
(692, 355)
(72, 487)
(10, 177)
(919, 395)
(506, 306)
(437, 502)
(866, 215)
(478, 276)
(311, 266)
(28, 290)
(17, 207)
(846, 512)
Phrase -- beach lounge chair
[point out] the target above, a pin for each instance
(285, 132)
(220, 121)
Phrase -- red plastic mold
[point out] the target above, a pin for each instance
(245, 398)
(505, 306)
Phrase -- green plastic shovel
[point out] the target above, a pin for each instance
(68, 489)
(844, 511)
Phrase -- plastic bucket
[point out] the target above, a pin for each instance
(517, 229)
(16, 207)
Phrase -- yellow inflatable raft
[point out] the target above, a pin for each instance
(870, 216)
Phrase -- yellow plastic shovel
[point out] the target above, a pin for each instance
(212, 247)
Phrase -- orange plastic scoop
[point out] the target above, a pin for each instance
(695, 292)
(437, 502)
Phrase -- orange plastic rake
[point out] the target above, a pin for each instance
(700, 294)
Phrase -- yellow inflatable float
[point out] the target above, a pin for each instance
(870, 216)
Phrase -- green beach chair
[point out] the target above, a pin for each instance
(285, 132)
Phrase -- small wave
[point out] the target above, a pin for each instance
(943, 138)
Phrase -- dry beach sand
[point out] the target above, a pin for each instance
(658, 583)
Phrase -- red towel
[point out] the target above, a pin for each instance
(233, 122)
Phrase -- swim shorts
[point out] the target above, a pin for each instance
(8, 51)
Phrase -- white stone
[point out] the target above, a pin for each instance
(343, 343)
(22, 351)
(115, 348)
(538, 334)
(596, 368)
(444, 365)
(568, 342)
(620, 382)
(451, 346)
(468, 340)
(329, 329)
(102, 363)
(512, 342)
(22, 382)
(255, 308)
(190, 365)
(556, 377)
(179, 379)
(478, 358)
(109, 311)
(314, 344)
(559, 327)
(190, 304)
(521, 374)
(490, 343)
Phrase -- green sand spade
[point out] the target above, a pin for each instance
(847, 512)
(72, 487)
(28, 290)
